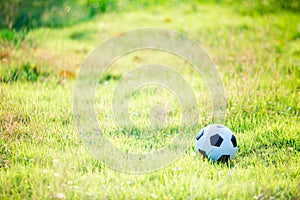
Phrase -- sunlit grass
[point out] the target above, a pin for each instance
(42, 157)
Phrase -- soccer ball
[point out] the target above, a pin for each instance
(217, 142)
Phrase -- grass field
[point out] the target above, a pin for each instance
(258, 59)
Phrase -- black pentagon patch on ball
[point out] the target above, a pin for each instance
(200, 135)
(216, 140)
(219, 126)
(203, 153)
(224, 158)
(233, 140)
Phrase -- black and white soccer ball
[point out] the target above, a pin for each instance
(217, 142)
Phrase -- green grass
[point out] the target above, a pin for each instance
(258, 58)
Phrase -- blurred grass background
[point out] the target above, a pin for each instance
(23, 14)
